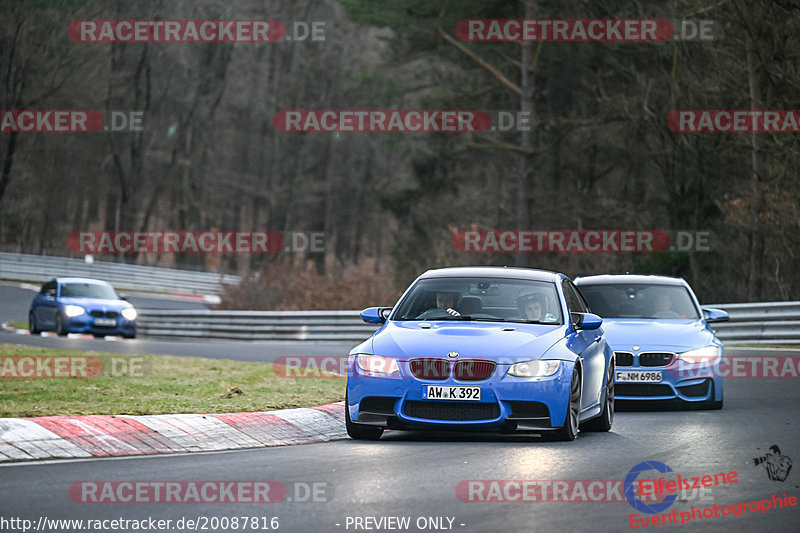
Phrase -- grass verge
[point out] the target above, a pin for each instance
(155, 384)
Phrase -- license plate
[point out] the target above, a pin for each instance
(105, 322)
(437, 392)
(636, 376)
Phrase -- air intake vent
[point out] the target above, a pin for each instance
(469, 370)
(431, 369)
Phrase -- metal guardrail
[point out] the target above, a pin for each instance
(756, 323)
(760, 323)
(38, 269)
(344, 326)
(750, 323)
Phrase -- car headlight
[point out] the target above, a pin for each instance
(73, 310)
(377, 364)
(700, 355)
(129, 313)
(534, 369)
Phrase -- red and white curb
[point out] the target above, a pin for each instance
(58, 437)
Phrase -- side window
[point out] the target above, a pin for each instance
(575, 301)
(583, 305)
(49, 289)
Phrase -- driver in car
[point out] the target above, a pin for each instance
(532, 306)
(663, 307)
(445, 301)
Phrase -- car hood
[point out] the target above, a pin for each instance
(488, 340)
(96, 303)
(656, 334)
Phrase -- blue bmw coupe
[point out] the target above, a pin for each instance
(659, 334)
(483, 348)
(81, 305)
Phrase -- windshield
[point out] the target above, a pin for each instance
(481, 299)
(639, 301)
(88, 290)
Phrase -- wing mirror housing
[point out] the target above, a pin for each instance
(375, 315)
(715, 315)
(586, 320)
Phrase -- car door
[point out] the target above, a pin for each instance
(589, 345)
(46, 305)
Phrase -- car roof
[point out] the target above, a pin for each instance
(608, 279)
(81, 280)
(494, 272)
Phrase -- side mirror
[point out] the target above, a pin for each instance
(375, 315)
(587, 321)
(716, 315)
(121, 297)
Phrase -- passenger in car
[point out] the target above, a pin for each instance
(531, 306)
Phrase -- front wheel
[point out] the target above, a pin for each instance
(33, 327)
(569, 430)
(606, 418)
(60, 328)
(360, 431)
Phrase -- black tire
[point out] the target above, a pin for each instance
(569, 430)
(713, 404)
(133, 336)
(60, 328)
(360, 431)
(33, 327)
(606, 418)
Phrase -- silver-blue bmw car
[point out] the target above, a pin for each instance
(660, 334)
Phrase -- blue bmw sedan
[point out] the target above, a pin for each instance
(659, 334)
(483, 348)
(81, 305)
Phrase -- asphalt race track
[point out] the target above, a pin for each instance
(416, 474)
(425, 477)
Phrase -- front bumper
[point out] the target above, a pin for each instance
(88, 324)
(507, 403)
(678, 382)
